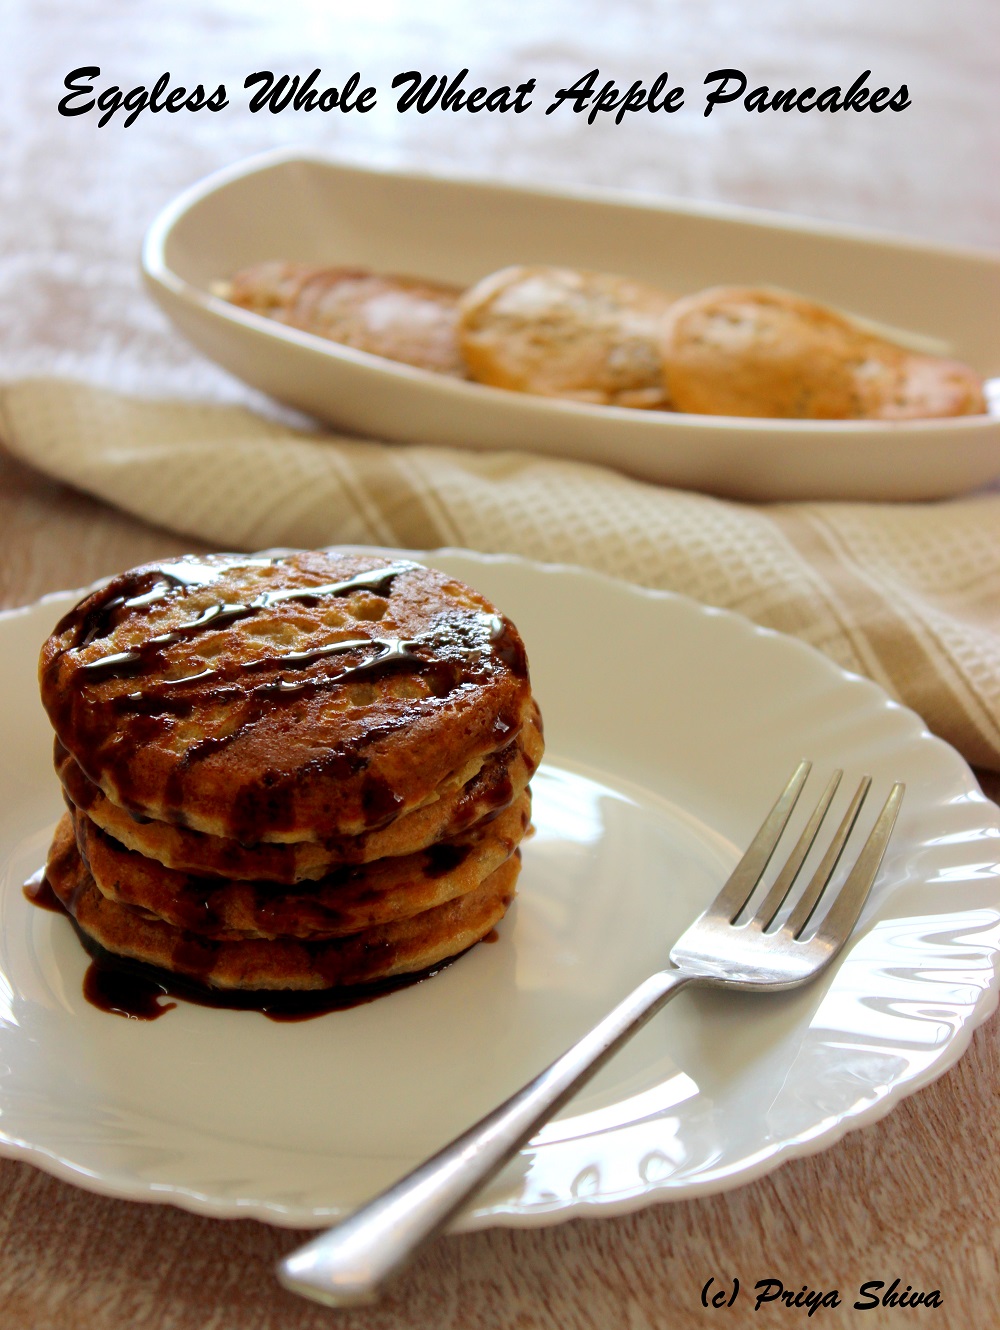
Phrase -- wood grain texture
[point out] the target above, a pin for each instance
(915, 1196)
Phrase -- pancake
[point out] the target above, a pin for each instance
(348, 901)
(591, 337)
(406, 319)
(403, 947)
(501, 780)
(740, 351)
(304, 697)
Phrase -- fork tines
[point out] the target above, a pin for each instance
(749, 872)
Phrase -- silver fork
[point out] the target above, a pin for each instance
(349, 1263)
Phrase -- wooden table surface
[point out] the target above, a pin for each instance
(915, 1196)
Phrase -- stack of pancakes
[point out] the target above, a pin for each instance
(294, 773)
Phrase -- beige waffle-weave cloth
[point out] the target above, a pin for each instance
(906, 594)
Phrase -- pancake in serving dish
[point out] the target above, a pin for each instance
(557, 332)
(408, 319)
(744, 351)
(288, 773)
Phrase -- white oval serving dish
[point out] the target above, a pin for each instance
(307, 208)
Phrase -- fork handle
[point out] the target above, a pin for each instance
(348, 1263)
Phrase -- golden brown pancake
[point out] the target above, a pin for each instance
(591, 337)
(401, 318)
(741, 351)
(348, 901)
(300, 698)
(502, 778)
(404, 947)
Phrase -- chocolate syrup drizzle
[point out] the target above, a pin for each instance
(101, 619)
(39, 891)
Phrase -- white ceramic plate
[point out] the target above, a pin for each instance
(284, 205)
(670, 728)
